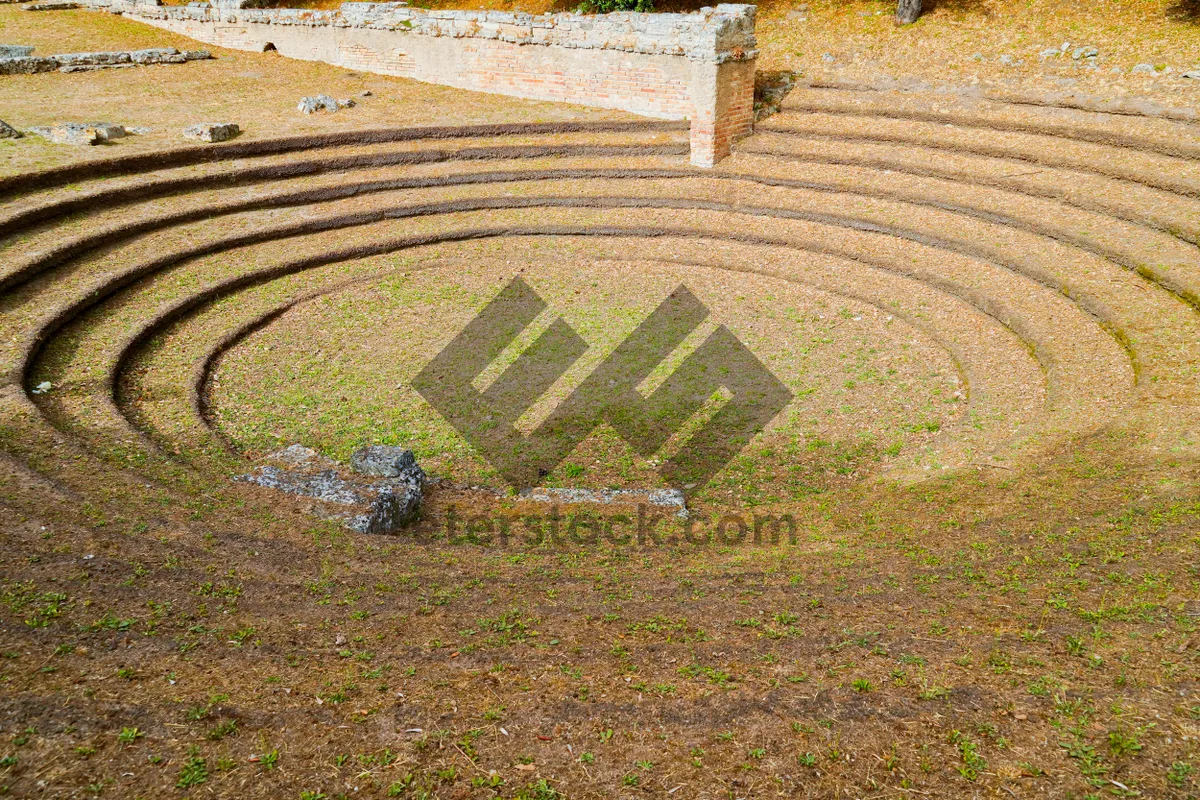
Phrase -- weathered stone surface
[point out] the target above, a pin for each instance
(94, 67)
(91, 59)
(212, 131)
(8, 131)
(53, 5)
(382, 460)
(322, 102)
(663, 498)
(27, 65)
(15, 50)
(81, 132)
(86, 62)
(69, 133)
(365, 505)
(157, 55)
(108, 130)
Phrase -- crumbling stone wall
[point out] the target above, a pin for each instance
(697, 66)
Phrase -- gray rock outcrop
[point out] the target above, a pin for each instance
(381, 501)
(8, 131)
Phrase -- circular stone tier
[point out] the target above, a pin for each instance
(937, 289)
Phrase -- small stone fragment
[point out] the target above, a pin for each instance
(15, 50)
(828, 58)
(8, 131)
(108, 130)
(69, 133)
(43, 387)
(1193, 74)
(322, 102)
(1143, 69)
(365, 93)
(212, 131)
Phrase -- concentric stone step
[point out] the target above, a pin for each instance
(1044, 260)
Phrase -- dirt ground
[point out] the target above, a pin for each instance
(983, 297)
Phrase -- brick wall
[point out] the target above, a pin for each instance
(724, 112)
(697, 66)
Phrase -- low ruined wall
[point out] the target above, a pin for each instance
(697, 66)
